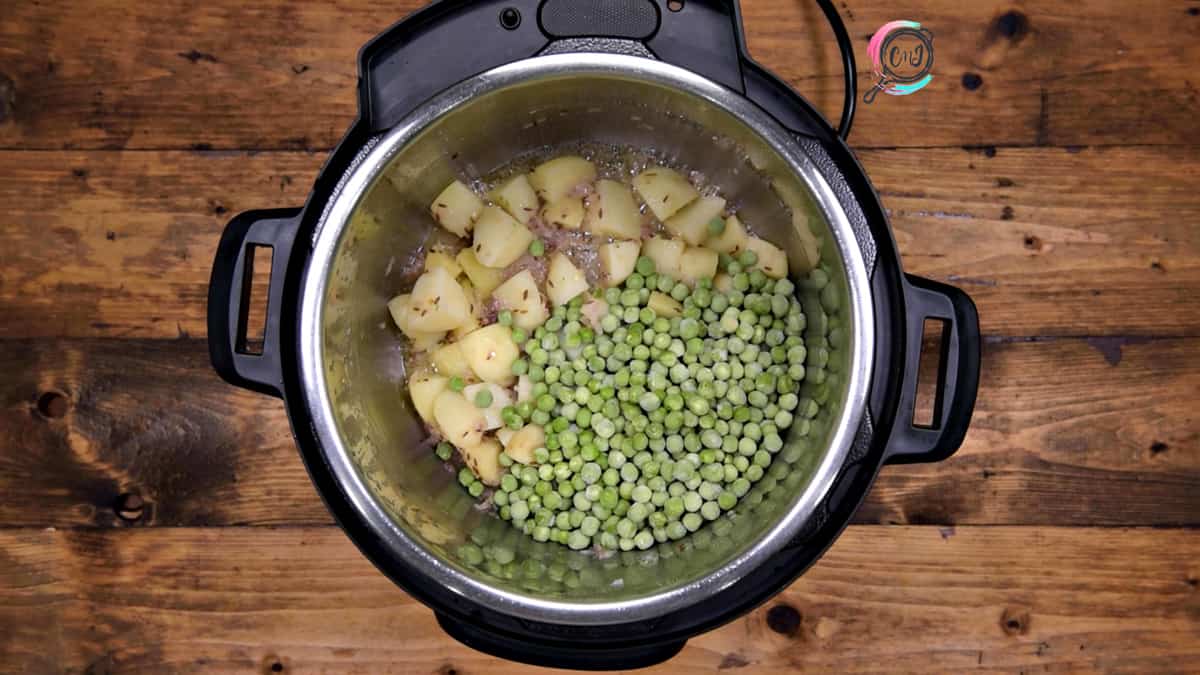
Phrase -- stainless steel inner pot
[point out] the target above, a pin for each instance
(353, 373)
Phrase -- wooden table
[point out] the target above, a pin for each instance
(154, 519)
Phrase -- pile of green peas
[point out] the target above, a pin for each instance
(653, 425)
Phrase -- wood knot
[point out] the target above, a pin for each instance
(447, 669)
(1014, 621)
(1007, 213)
(972, 81)
(1011, 25)
(53, 405)
(1158, 447)
(130, 507)
(273, 664)
(1032, 242)
(8, 98)
(785, 620)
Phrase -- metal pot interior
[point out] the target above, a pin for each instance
(379, 224)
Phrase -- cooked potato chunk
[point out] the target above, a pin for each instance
(522, 444)
(499, 240)
(424, 342)
(730, 241)
(665, 253)
(485, 279)
(450, 361)
(516, 196)
(521, 295)
(561, 176)
(460, 421)
(564, 280)
(771, 259)
(472, 322)
(664, 190)
(618, 260)
(490, 352)
(524, 388)
(664, 305)
(613, 212)
(810, 246)
(439, 259)
(424, 388)
(566, 213)
(696, 264)
(723, 282)
(500, 399)
(456, 208)
(438, 303)
(691, 223)
(400, 308)
(483, 459)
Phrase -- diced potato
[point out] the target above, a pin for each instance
(771, 259)
(696, 264)
(561, 176)
(424, 388)
(505, 436)
(691, 223)
(612, 211)
(490, 352)
(664, 190)
(810, 246)
(450, 361)
(593, 311)
(472, 322)
(665, 253)
(564, 280)
(664, 305)
(438, 259)
(566, 213)
(483, 459)
(500, 399)
(522, 295)
(438, 302)
(485, 279)
(460, 421)
(516, 196)
(732, 240)
(618, 260)
(723, 282)
(456, 208)
(499, 240)
(524, 388)
(522, 444)
(400, 308)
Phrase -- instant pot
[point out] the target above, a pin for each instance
(458, 90)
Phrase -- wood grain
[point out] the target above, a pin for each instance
(1049, 242)
(178, 74)
(1096, 443)
(894, 599)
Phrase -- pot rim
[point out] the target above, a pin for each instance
(362, 174)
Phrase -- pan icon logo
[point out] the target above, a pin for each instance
(902, 58)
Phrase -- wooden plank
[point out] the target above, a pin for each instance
(178, 74)
(1095, 443)
(1049, 242)
(900, 599)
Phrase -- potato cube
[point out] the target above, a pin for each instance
(424, 388)
(665, 253)
(438, 302)
(613, 212)
(456, 208)
(731, 240)
(618, 260)
(439, 259)
(450, 361)
(771, 259)
(566, 213)
(400, 308)
(483, 459)
(564, 280)
(696, 264)
(562, 176)
(691, 223)
(664, 190)
(516, 196)
(522, 444)
(485, 279)
(490, 352)
(499, 240)
(472, 322)
(723, 282)
(664, 305)
(809, 250)
(459, 420)
(500, 399)
(522, 295)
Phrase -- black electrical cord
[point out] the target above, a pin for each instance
(851, 74)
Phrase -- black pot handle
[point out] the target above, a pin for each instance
(958, 373)
(229, 295)
(574, 656)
